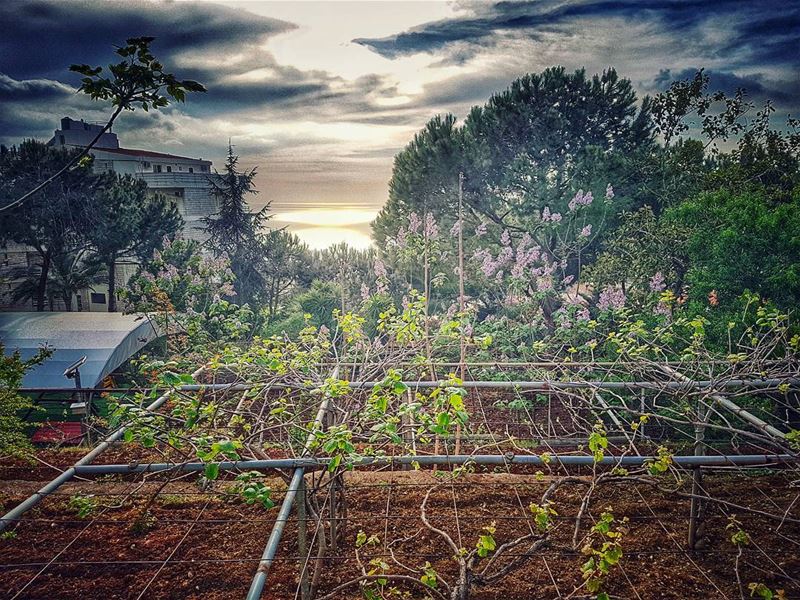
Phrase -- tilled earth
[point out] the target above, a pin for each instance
(197, 543)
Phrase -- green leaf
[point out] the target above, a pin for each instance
(212, 471)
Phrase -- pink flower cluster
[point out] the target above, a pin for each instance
(580, 199)
(548, 217)
(400, 239)
(611, 298)
(431, 227)
(414, 223)
(657, 282)
(381, 284)
(525, 258)
(379, 268)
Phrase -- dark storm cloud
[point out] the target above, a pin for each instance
(40, 39)
(773, 35)
(757, 86)
(57, 34)
(31, 90)
(767, 30)
(31, 107)
(215, 45)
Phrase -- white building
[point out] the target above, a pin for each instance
(183, 180)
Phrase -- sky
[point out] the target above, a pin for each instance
(320, 96)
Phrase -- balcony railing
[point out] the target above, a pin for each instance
(177, 180)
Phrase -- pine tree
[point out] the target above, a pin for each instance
(124, 220)
(234, 230)
(50, 222)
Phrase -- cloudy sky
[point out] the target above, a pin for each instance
(321, 95)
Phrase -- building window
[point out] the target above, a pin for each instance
(180, 168)
(61, 138)
(158, 168)
(169, 169)
(98, 298)
(146, 165)
(191, 170)
(79, 302)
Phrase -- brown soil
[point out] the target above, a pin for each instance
(219, 555)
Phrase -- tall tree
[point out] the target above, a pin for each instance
(742, 241)
(286, 267)
(521, 151)
(124, 220)
(234, 230)
(351, 268)
(50, 222)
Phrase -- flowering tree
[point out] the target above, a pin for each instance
(185, 293)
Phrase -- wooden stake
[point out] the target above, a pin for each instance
(302, 540)
(461, 300)
(333, 505)
(696, 507)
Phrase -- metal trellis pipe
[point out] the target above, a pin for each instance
(731, 406)
(268, 556)
(310, 463)
(16, 513)
(540, 385)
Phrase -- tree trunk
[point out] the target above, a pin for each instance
(112, 286)
(41, 290)
(68, 301)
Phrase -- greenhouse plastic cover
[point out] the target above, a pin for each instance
(106, 340)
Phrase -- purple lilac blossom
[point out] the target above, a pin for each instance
(550, 217)
(611, 298)
(657, 282)
(580, 199)
(431, 228)
(414, 222)
(400, 238)
(489, 266)
(505, 256)
(662, 308)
